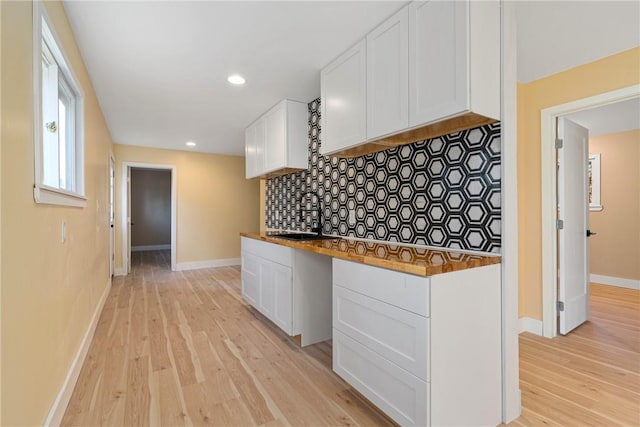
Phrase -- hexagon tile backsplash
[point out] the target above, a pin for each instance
(441, 192)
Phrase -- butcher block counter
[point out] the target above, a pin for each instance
(407, 259)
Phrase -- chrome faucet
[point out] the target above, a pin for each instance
(317, 229)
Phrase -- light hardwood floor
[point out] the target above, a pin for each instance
(181, 348)
(590, 377)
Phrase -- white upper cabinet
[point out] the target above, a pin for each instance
(431, 69)
(275, 138)
(438, 67)
(454, 60)
(387, 76)
(277, 143)
(250, 155)
(343, 100)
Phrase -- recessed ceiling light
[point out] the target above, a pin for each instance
(236, 79)
(190, 144)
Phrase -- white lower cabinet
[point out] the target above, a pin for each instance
(399, 394)
(425, 350)
(291, 288)
(250, 279)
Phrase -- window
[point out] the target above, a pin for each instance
(59, 127)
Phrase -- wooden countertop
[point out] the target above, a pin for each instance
(407, 259)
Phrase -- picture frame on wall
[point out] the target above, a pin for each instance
(593, 178)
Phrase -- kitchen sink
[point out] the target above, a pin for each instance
(302, 236)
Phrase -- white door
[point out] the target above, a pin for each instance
(573, 248)
(128, 224)
(112, 213)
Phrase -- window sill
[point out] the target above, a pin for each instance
(54, 196)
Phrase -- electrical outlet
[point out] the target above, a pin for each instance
(352, 217)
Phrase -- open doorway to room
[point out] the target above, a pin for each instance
(149, 214)
(575, 138)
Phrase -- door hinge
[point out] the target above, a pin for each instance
(560, 306)
(559, 143)
(559, 224)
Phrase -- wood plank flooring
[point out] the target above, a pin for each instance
(590, 377)
(182, 348)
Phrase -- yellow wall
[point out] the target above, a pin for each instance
(615, 250)
(50, 290)
(610, 73)
(214, 201)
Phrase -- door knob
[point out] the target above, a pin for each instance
(591, 233)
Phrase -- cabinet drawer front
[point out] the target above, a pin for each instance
(400, 289)
(279, 254)
(394, 333)
(400, 395)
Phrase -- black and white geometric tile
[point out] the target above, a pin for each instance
(442, 192)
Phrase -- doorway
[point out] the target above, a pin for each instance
(152, 213)
(112, 215)
(550, 214)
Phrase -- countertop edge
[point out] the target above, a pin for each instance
(376, 261)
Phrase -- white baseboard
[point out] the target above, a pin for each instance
(119, 272)
(150, 248)
(64, 395)
(212, 263)
(528, 324)
(615, 281)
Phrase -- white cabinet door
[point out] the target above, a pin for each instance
(438, 60)
(275, 140)
(283, 287)
(387, 76)
(343, 100)
(251, 279)
(267, 288)
(254, 149)
(398, 335)
(399, 394)
(260, 147)
(250, 152)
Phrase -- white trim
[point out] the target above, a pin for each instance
(54, 418)
(126, 241)
(528, 324)
(119, 272)
(150, 248)
(615, 281)
(212, 263)
(549, 194)
(56, 196)
(511, 396)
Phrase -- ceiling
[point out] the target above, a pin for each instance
(611, 118)
(159, 69)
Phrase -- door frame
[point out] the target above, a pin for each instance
(112, 208)
(126, 210)
(549, 194)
